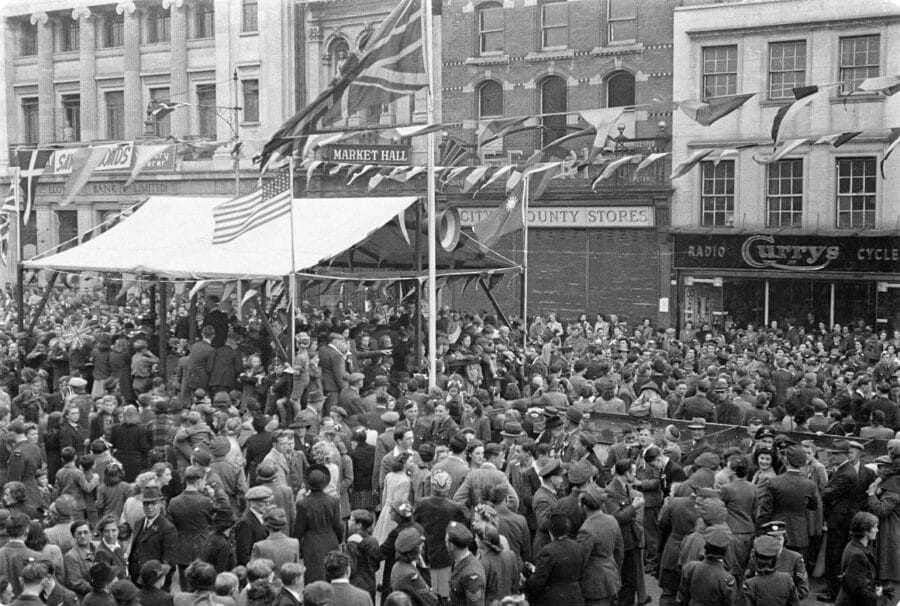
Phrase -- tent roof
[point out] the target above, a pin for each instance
(172, 237)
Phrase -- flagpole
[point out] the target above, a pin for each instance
(524, 281)
(20, 247)
(428, 41)
(292, 282)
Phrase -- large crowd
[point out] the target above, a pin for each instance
(332, 470)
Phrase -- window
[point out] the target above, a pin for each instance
(27, 39)
(30, 122)
(67, 35)
(784, 193)
(249, 16)
(373, 114)
(490, 100)
(115, 115)
(555, 103)
(163, 126)
(717, 194)
(554, 25)
(859, 60)
(620, 90)
(856, 181)
(205, 19)
(338, 51)
(787, 68)
(251, 100)
(157, 24)
(206, 102)
(68, 228)
(490, 29)
(29, 237)
(719, 71)
(71, 117)
(622, 20)
(113, 30)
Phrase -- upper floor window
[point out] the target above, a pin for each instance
(620, 90)
(784, 193)
(27, 39)
(856, 190)
(112, 30)
(717, 193)
(554, 105)
(622, 19)
(338, 51)
(249, 16)
(719, 71)
(67, 220)
(30, 121)
(157, 24)
(490, 29)
(787, 68)
(206, 106)
(859, 60)
(162, 126)
(554, 25)
(67, 30)
(71, 106)
(251, 100)
(115, 115)
(490, 100)
(204, 19)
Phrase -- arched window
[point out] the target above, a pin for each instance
(490, 28)
(620, 90)
(553, 101)
(338, 51)
(490, 100)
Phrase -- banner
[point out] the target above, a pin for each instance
(118, 159)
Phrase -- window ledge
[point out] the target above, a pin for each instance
(550, 55)
(775, 102)
(201, 42)
(66, 55)
(864, 98)
(110, 51)
(25, 59)
(252, 124)
(488, 60)
(155, 46)
(618, 49)
(248, 34)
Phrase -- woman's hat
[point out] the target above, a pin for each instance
(123, 591)
(101, 573)
(275, 518)
(317, 477)
(153, 570)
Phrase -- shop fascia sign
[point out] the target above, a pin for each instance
(119, 158)
(788, 253)
(570, 216)
(374, 154)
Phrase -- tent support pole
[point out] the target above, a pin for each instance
(493, 300)
(418, 245)
(40, 309)
(275, 302)
(192, 320)
(265, 322)
(162, 317)
(20, 287)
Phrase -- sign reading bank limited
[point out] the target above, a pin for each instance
(762, 252)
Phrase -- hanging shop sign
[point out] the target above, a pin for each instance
(788, 253)
(368, 154)
(571, 216)
(118, 158)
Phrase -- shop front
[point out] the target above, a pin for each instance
(805, 280)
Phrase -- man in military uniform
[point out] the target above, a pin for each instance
(706, 581)
(467, 578)
(770, 587)
(82, 400)
(786, 560)
(24, 463)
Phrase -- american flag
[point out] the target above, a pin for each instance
(11, 202)
(236, 217)
(390, 65)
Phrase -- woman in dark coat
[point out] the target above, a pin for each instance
(557, 568)
(51, 445)
(218, 548)
(859, 572)
(129, 442)
(120, 368)
(318, 526)
(71, 432)
(100, 359)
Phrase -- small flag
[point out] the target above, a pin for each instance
(611, 168)
(499, 173)
(893, 140)
(647, 162)
(712, 110)
(803, 95)
(496, 129)
(473, 178)
(887, 85)
(359, 173)
(602, 120)
(145, 153)
(160, 108)
(692, 161)
(506, 219)
(31, 166)
(785, 149)
(405, 132)
(240, 215)
(84, 162)
(11, 202)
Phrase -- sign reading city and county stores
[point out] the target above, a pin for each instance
(571, 216)
(368, 154)
(787, 253)
(118, 158)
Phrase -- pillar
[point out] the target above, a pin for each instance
(8, 101)
(134, 106)
(88, 72)
(178, 84)
(46, 105)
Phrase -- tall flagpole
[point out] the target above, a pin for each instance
(20, 248)
(292, 281)
(524, 293)
(428, 40)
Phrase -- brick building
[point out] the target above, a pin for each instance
(817, 231)
(589, 252)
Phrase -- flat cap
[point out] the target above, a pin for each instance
(408, 539)
(766, 546)
(259, 493)
(718, 537)
(458, 533)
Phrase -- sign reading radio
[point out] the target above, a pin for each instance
(371, 154)
(571, 216)
(788, 253)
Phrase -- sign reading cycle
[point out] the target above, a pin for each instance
(788, 253)
(571, 216)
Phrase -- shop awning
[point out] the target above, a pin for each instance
(172, 237)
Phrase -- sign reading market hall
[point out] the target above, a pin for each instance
(370, 154)
(809, 254)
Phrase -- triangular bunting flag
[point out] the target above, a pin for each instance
(707, 112)
(887, 85)
(893, 140)
(513, 180)
(84, 162)
(375, 181)
(360, 173)
(804, 96)
(647, 162)
(785, 149)
(144, 153)
(610, 168)
(845, 137)
(311, 169)
(413, 171)
(495, 129)
(499, 173)
(686, 166)
(602, 120)
(473, 178)
(336, 169)
(405, 132)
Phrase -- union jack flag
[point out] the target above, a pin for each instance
(390, 65)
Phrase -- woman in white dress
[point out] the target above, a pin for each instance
(397, 487)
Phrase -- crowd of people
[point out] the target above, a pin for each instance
(332, 470)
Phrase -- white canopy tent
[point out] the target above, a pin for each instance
(172, 237)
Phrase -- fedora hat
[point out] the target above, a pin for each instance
(151, 494)
(512, 429)
(697, 423)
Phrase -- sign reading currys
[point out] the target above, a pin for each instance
(799, 254)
